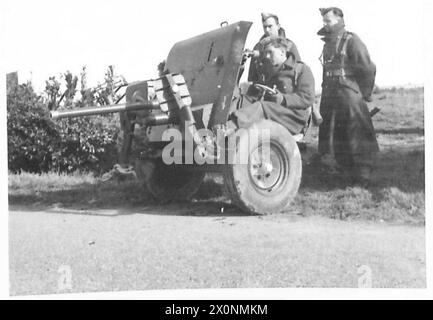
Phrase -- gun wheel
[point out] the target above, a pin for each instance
(167, 182)
(267, 178)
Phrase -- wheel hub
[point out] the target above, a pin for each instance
(265, 168)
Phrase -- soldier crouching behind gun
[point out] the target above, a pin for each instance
(348, 79)
(294, 86)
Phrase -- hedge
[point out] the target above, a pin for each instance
(38, 144)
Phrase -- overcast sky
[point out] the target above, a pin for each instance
(50, 37)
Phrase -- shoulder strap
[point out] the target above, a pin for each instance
(342, 46)
(298, 70)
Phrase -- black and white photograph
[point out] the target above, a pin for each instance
(154, 146)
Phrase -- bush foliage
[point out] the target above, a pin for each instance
(31, 134)
(86, 144)
(38, 144)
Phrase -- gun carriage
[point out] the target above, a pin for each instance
(196, 94)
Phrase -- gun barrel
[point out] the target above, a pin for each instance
(104, 109)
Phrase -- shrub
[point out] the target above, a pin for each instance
(31, 134)
(86, 144)
(37, 144)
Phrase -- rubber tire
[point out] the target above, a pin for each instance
(240, 186)
(168, 183)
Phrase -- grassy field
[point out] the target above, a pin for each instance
(395, 194)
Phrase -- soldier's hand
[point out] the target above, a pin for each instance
(248, 54)
(251, 53)
(368, 99)
(278, 98)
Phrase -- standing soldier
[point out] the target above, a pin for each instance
(348, 80)
(271, 28)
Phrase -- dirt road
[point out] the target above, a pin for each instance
(61, 250)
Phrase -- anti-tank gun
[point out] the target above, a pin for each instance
(180, 118)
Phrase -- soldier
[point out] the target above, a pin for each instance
(348, 80)
(293, 82)
(271, 28)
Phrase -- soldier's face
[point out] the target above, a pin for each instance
(271, 27)
(330, 19)
(274, 56)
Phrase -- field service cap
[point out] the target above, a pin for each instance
(266, 16)
(337, 11)
(279, 41)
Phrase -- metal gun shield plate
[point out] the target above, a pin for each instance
(210, 64)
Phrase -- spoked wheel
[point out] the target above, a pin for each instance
(269, 177)
(168, 182)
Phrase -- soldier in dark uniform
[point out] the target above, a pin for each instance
(293, 82)
(271, 28)
(348, 80)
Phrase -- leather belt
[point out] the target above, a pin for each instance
(337, 73)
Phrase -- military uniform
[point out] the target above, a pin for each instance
(295, 81)
(348, 80)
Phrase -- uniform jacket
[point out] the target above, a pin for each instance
(357, 61)
(298, 92)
